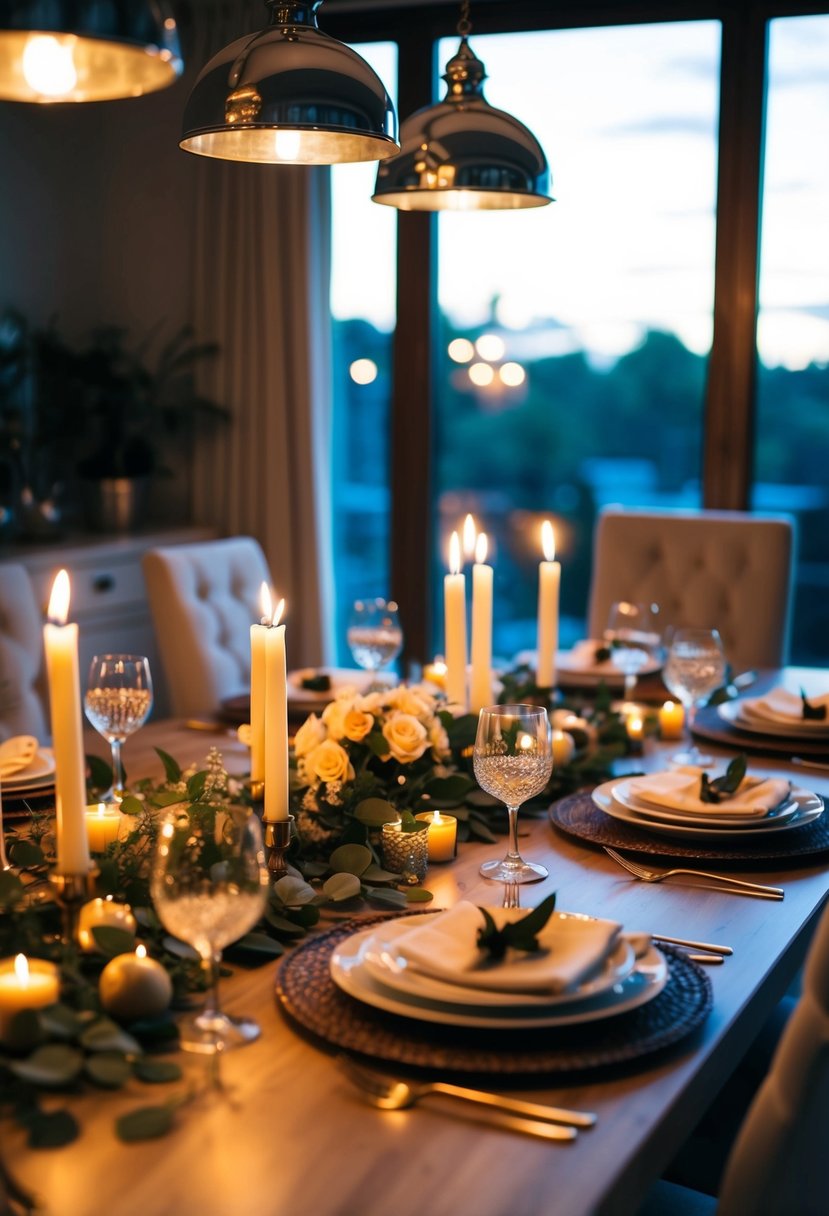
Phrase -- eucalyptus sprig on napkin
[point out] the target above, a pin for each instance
(722, 787)
(519, 935)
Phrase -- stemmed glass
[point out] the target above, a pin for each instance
(209, 885)
(513, 760)
(694, 668)
(118, 700)
(374, 636)
(633, 638)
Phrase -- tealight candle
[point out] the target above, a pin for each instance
(134, 986)
(671, 720)
(103, 912)
(435, 672)
(26, 984)
(443, 835)
(103, 823)
(564, 748)
(635, 728)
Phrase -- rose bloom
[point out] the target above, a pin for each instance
(406, 737)
(439, 740)
(329, 762)
(370, 702)
(310, 735)
(409, 702)
(357, 724)
(333, 716)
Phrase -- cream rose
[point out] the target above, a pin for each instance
(357, 724)
(406, 737)
(409, 702)
(333, 716)
(310, 735)
(330, 762)
(370, 702)
(439, 740)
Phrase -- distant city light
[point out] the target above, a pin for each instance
(481, 374)
(461, 350)
(363, 371)
(490, 346)
(512, 374)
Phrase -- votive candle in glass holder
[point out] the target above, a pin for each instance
(671, 720)
(103, 824)
(442, 835)
(406, 853)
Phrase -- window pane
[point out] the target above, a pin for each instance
(792, 451)
(591, 318)
(363, 288)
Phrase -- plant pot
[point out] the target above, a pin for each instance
(114, 504)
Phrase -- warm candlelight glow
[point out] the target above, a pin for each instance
(58, 609)
(526, 742)
(469, 531)
(671, 720)
(21, 969)
(442, 837)
(481, 548)
(454, 554)
(140, 951)
(277, 616)
(548, 541)
(266, 604)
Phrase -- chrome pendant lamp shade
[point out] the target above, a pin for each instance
(290, 95)
(463, 154)
(86, 50)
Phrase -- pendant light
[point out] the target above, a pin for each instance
(83, 50)
(462, 154)
(290, 95)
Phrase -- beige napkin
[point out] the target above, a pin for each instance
(678, 790)
(445, 946)
(582, 657)
(16, 754)
(780, 703)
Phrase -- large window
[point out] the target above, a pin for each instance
(792, 449)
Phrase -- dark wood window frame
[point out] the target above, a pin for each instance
(729, 412)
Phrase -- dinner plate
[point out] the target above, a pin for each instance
(349, 972)
(570, 663)
(810, 808)
(384, 962)
(635, 802)
(736, 714)
(37, 775)
(340, 677)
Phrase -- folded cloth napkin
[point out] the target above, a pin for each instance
(582, 657)
(446, 946)
(779, 703)
(678, 790)
(16, 754)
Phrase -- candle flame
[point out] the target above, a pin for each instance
(21, 969)
(140, 951)
(469, 533)
(266, 604)
(436, 819)
(280, 608)
(548, 541)
(526, 743)
(669, 707)
(58, 609)
(481, 549)
(454, 554)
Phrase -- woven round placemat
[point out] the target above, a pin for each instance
(709, 725)
(578, 815)
(311, 998)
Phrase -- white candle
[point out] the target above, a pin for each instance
(103, 913)
(26, 985)
(454, 610)
(549, 578)
(61, 645)
(134, 986)
(258, 634)
(276, 721)
(481, 690)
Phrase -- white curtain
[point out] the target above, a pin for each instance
(261, 279)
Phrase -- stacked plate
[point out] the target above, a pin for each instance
(371, 967)
(778, 713)
(579, 667)
(37, 779)
(618, 799)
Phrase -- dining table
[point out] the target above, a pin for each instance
(287, 1132)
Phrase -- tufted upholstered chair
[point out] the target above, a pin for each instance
(724, 570)
(22, 686)
(204, 598)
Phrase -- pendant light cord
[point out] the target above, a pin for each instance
(464, 24)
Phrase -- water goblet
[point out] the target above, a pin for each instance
(118, 700)
(374, 636)
(633, 638)
(694, 668)
(513, 760)
(209, 884)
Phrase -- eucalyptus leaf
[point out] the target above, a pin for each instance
(130, 805)
(99, 773)
(342, 886)
(450, 789)
(418, 895)
(25, 854)
(294, 891)
(180, 949)
(109, 1069)
(145, 1123)
(196, 784)
(351, 859)
(257, 943)
(55, 1066)
(282, 925)
(60, 1022)
(386, 895)
(378, 744)
(376, 873)
(156, 1072)
(166, 798)
(374, 812)
(24, 1031)
(307, 916)
(172, 768)
(113, 941)
(52, 1129)
(105, 1035)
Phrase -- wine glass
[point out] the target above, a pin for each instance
(513, 759)
(374, 636)
(694, 668)
(209, 885)
(118, 700)
(633, 638)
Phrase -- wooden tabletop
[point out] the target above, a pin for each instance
(289, 1135)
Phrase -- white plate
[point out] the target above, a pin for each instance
(570, 664)
(349, 972)
(40, 773)
(341, 677)
(810, 808)
(384, 962)
(642, 806)
(735, 714)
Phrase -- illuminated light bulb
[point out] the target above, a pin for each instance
(461, 350)
(512, 374)
(287, 144)
(363, 371)
(481, 374)
(49, 66)
(490, 346)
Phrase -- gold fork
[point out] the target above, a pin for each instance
(735, 885)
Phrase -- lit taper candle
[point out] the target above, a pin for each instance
(454, 605)
(258, 633)
(549, 578)
(276, 720)
(481, 690)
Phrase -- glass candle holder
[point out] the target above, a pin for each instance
(406, 853)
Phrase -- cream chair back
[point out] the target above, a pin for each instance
(725, 570)
(204, 597)
(22, 682)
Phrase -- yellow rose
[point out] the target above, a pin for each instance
(357, 724)
(409, 702)
(439, 740)
(330, 762)
(310, 735)
(406, 737)
(333, 716)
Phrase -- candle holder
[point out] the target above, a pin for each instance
(256, 789)
(406, 853)
(277, 838)
(71, 892)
